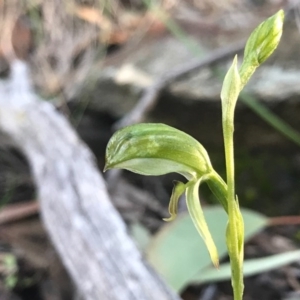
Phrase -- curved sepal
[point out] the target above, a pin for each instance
(197, 216)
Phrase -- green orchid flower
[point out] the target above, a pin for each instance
(158, 149)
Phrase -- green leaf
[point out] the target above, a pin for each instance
(157, 149)
(237, 218)
(178, 253)
(230, 91)
(251, 267)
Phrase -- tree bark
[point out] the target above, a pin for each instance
(85, 228)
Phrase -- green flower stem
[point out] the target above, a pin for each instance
(246, 72)
(234, 235)
(235, 245)
(218, 187)
(260, 45)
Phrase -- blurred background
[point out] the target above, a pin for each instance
(94, 60)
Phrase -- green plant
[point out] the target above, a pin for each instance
(157, 149)
(10, 269)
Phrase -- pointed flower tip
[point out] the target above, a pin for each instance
(231, 87)
(171, 218)
(216, 263)
(178, 190)
(214, 256)
(280, 15)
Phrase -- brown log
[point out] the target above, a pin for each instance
(87, 231)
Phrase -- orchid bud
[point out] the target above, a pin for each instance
(264, 39)
(261, 44)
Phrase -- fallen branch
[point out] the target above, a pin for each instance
(86, 230)
(151, 94)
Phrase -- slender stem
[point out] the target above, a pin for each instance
(246, 71)
(229, 158)
(233, 237)
(260, 45)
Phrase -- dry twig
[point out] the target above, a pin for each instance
(151, 94)
(14, 212)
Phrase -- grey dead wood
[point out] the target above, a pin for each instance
(85, 228)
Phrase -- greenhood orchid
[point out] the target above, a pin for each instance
(158, 149)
